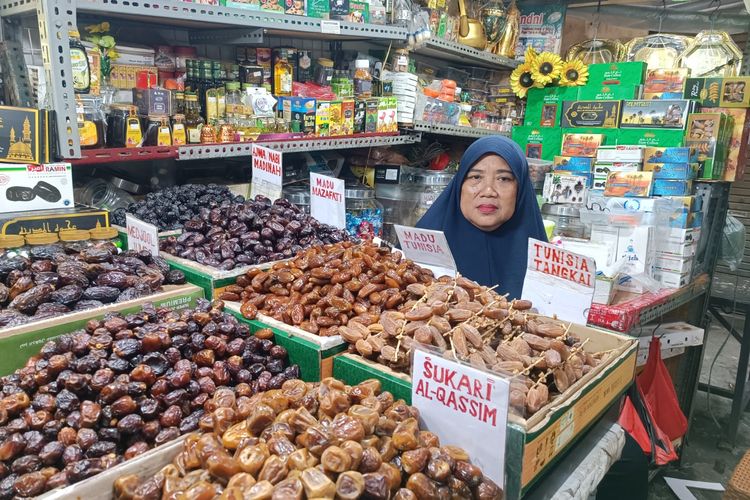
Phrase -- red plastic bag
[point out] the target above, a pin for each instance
(659, 395)
(637, 420)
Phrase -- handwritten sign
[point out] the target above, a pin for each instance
(559, 282)
(141, 235)
(266, 173)
(327, 200)
(464, 407)
(426, 247)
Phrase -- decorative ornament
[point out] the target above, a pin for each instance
(521, 80)
(546, 68)
(506, 45)
(574, 73)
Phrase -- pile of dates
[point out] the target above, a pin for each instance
(321, 441)
(249, 233)
(328, 286)
(123, 385)
(52, 281)
(172, 207)
(474, 324)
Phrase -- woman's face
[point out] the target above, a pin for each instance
(488, 194)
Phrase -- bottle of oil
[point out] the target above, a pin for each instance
(282, 75)
(80, 64)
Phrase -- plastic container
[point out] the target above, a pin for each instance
(398, 202)
(476, 84)
(363, 79)
(364, 214)
(298, 194)
(75, 240)
(13, 245)
(323, 72)
(101, 194)
(567, 220)
(429, 184)
(400, 61)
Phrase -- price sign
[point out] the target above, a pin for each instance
(266, 173)
(426, 247)
(327, 200)
(464, 407)
(559, 282)
(142, 235)
(330, 27)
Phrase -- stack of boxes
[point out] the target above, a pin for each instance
(316, 117)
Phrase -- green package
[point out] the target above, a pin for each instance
(650, 137)
(593, 92)
(538, 142)
(610, 134)
(544, 106)
(318, 8)
(617, 73)
(706, 91)
(359, 12)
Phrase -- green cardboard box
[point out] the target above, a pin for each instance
(650, 137)
(544, 106)
(610, 134)
(19, 343)
(313, 354)
(534, 444)
(585, 114)
(592, 92)
(617, 73)
(710, 134)
(538, 142)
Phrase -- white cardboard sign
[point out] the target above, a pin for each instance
(426, 247)
(327, 200)
(266, 173)
(559, 282)
(464, 407)
(330, 27)
(141, 235)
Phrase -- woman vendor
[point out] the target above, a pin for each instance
(488, 213)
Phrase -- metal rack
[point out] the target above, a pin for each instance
(453, 130)
(463, 54)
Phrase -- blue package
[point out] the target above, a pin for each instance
(686, 220)
(671, 187)
(670, 155)
(575, 164)
(678, 171)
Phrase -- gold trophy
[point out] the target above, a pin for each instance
(506, 45)
(493, 21)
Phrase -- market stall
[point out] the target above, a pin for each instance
(212, 283)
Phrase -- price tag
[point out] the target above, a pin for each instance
(327, 200)
(559, 282)
(142, 235)
(330, 27)
(266, 179)
(428, 248)
(464, 407)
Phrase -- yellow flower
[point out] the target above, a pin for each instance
(546, 68)
(574, 73)
(530, 55)
(521, 80)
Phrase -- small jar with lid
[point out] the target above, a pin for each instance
(364, 214)
(13, 245)
(106, 236)
(37, 240)
(323, 72)
(298, 194)
(362, 79)
(567, 219)
(429, 184)
(400, 61)
(74, 240)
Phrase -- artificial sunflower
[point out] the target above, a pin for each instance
(521, 80)
(546, 68)
(530, 55)
(574, 73)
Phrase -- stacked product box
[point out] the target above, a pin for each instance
(633, 247)
(574, 165)
(711, 135)
(675, 252)
(538, 142)
(673, 169)
(544, 106)
(612, 159)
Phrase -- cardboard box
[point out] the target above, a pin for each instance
(295, 7)
(705, 91)
(35, 187)
(651, 137)
(595, 92)
(300, 110)
(687, 203)
(709, 133)
(604, 114)
(562, 188)
(339, 9)
(581, 144)
(544, 106)
(633, 243)
(573, 163)
(599, 183)
(670, 155)
(371, 116)
(686, 220)
(359, 12)
(629, 184)
(534, 445)
(604, 168)
(335, 119)
(737, 147)
(617, 73)
(670, 113)
(680, 235)
(673, 263)
(24, 134)
(313, 354)
(322, 119)
(153, 101)
(538, 143)
(347, 110)
(680, 171)
(272, 6)
(320, 9)
(660, 81)
(610, 153)
(683, 250)
(670, 279)
(735, 92)
(19, 343)
(52, 221)
(360, 114)
(241, 4)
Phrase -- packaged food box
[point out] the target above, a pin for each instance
(621, 154)
(673, 264)
(360, 114)
(737, 147)
(680, 171)
(544, 106)
(668, 113)
(735, 92)
(617, 73)
(371, 115)
(580, 164)
(241, 4)
(300, 110)
(24, 135)
(322, 119)
(587, 176)
(35, 187)
(533, 445)
(563, 188)
(683, 250)
(680, 235)
(629, 184)
(604, 114)
(320, 9)
(705, 91)
(606, 92)
(538, 143)
(671, 186)
(599, 183)
(671, 280)
(581, 144)
(347, 110)
(609, 135)
(661, 81)
(709, 134)
(53, 220)
(359, 12)
(651, 137)
(272, 6)
(688, 203)
(686, 220)
(670, 155)
(604, 168)
(335, 119)
(295, 7)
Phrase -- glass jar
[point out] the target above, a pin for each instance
(251, 74)
(429, 185)
(101, 194)
(362, 79)
(234, 103)
(364, 214)
(323, 72)
(123, 127)
(567, 219)
(102, 236)
(74, 240)
(400, 61)
(398, 202)
(193, 119)
(158, 131)
(298, 194)
(90, 122)
(13, 245)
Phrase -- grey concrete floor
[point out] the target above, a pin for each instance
(707, 456)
